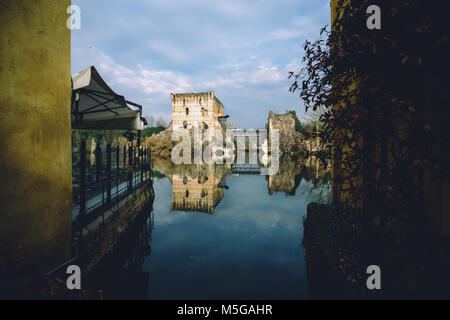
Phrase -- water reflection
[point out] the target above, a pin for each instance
(200, 189)
(141, 248)
(120, 274)
(287, 178)
(248, 246)
(291, 172)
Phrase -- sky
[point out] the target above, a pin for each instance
(240, 49)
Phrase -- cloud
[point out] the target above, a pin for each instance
(169, 49)
(160, 83)
(242, 50)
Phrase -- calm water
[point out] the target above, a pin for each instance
(217, 235)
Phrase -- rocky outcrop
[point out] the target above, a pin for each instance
(160, 144)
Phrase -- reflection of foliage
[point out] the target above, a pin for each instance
(157, 174)
(20, 279)
(320, 188)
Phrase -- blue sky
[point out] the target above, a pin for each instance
(240, 49)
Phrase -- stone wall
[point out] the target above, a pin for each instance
(289, 137)
(102, 234)
(196, 110)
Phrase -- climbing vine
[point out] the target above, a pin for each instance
(385, 95)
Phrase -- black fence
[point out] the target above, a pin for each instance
(102, 178)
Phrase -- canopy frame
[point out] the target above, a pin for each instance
(101, 100)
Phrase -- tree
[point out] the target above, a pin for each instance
(298, 125)
(150, 121)
(386, 121)
(148, 132)
(161, 122)
(313, 116)
(370, 82)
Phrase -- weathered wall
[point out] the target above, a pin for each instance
(196, 109)
(289, 137)
(35, 146)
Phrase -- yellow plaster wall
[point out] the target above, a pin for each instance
(35, 139)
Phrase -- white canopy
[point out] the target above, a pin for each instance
(96, 106)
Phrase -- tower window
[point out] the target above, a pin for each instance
(187, 111)
(184, 124)
(184, 102)
(201, 102)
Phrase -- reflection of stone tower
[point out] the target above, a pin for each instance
(196, 110)
(196, 194)
(287, 178)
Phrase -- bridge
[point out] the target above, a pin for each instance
(246, 168)
(237, 132)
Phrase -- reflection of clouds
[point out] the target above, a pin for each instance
(247, 219)
(251, 238)
(243, 207)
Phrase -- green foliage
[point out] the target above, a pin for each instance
(157, 174)
(379, 90)
(99, 136)
(148, 132)
(298, 125)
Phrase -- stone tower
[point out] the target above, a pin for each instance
(196, 110)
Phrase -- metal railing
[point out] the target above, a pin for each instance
(99, 187)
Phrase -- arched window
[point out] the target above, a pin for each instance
(184, 102)
(187, 193)
(184, 180)
(187, 111)
(201, 102)
(185, 124)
